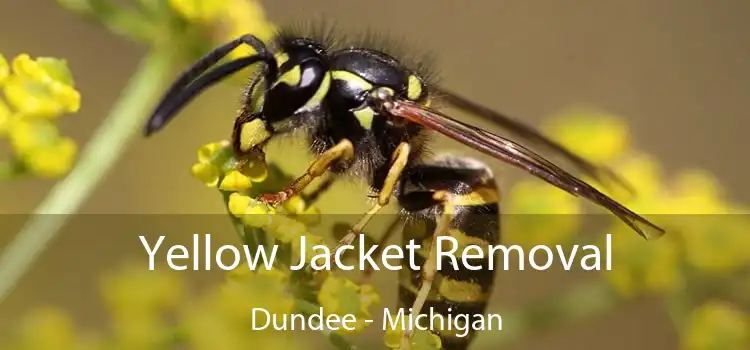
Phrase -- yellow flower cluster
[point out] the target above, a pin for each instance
(717, 325)
(706, 234)
(137, 300)
(643, 267)
(233, 19)
(540, 214)
(341, 296)
(689, 206)
(336, 295)
(153, 310)
(37, 92)
(216, 162)
(222, 319)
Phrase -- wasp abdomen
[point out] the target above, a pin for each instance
(458, 292)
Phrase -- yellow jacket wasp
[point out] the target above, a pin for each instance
(366, 113)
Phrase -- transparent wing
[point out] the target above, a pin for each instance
(530, 134)
(519, 156)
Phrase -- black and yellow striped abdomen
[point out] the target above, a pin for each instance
(456, 290)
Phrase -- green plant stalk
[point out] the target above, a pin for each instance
(102, 152)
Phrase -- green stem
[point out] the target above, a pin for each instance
(102, 152)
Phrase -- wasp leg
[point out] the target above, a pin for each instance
(342, 152)
(454, 197)
(429, 268)
(398, 163)
(367, 274)
(325, 185)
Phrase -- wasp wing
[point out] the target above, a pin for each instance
(519, 156)
(528, 133)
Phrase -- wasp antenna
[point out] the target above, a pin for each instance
(190, 83)
(169, 108)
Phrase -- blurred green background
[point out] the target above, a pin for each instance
(675, 70)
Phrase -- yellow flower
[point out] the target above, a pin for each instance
(235, 181)
(233, 17)
(420, 339)
(37, 91)
(206, 152)
(52, 161)
(251, 212)
(640, 266)
(541, 214)
(5, 117)
(135, 288)
(4, 69)
(713, 239)
(244, 17)
(287, 230)
(201, 11)
(43, 151)
(27, 135)
(238, 204)
(42, 87)
(716, 243)
(256, 214)
(645, 174)
(697, 192)
(221, 319)
(215, 161)
(206, 173)
(294, 205)
(298, 207)
(717, 325)
(49, 329)
(268, 287)
(137, 299)
(208, 169)
(341, 296)
(596, 136)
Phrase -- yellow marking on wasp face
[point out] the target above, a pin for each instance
(365, 117)
(461, 291)
(413, 88)
(281, 58)
(291, 77)
(351, 78)
(480, 196)
(325, 85)
(253, 134)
